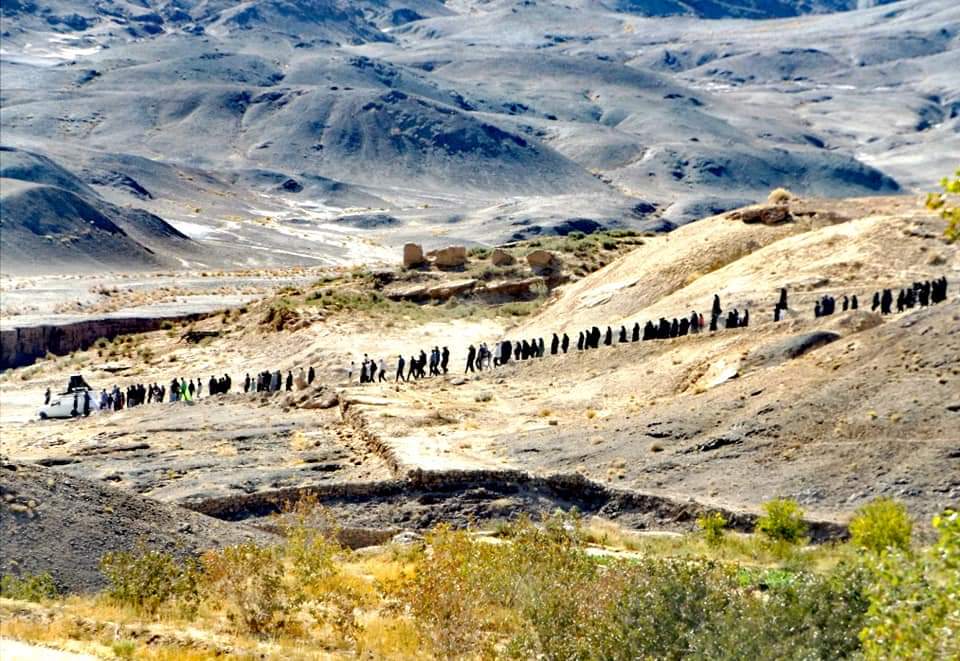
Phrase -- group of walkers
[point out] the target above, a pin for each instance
(268, 381)
(438, 363)
(481, 357)
(927, 292)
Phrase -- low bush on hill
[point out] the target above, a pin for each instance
(782, 522)
(31, 587)
(880, 525)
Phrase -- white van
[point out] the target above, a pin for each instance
(69, 404)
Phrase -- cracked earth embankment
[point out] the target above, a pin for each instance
(420, 498)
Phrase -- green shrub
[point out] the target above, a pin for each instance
(881, 524)
(123, 649)
(478, 253)
(31, 587)
(946, 204)
(146, 580)
(712, 526)
(914, 608)
(782, 522)
(248, 580)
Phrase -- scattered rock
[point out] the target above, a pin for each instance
(451, 257)
(406, 537)
(457, 381)
(543, 260)
(412, 255)
(501, 257)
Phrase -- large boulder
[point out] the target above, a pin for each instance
(501, 257)
(412, 255)
(451, 257)
(543, 260)
(765, 215)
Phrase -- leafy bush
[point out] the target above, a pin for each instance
(248, 580)
(146, 580)
(914, 608)
(881, 524)
(782, 522)
(712, 526)
(949, 210)
(31, 587)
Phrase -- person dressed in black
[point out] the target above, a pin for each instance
(636, 332)
(876, 302)
(471, 356)
(580, 341)
(649, 331)
(622, 337)
(444, 360)
(401, 363)
(554, 345)
(565, 343)
(311, 375)
(608, 337)
(289, 382)
(46, 397)
(853, 302)
(541, 349)
(886, 300)
(782, 303)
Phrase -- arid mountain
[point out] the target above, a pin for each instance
(475, 121)
(52, 222)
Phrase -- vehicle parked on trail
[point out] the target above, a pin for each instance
(70, 403)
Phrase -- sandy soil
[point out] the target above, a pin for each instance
(731, 418)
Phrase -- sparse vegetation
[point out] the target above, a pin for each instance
(537, 593)
(779, 196)
(881, 525)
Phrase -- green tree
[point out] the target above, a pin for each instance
(948, 207)
(782, 521)
(881, 524)
(914, 608)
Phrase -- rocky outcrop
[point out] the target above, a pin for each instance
(23, 346)
(432, 292)
(500, 257)
(412, 255)
(512, 288)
